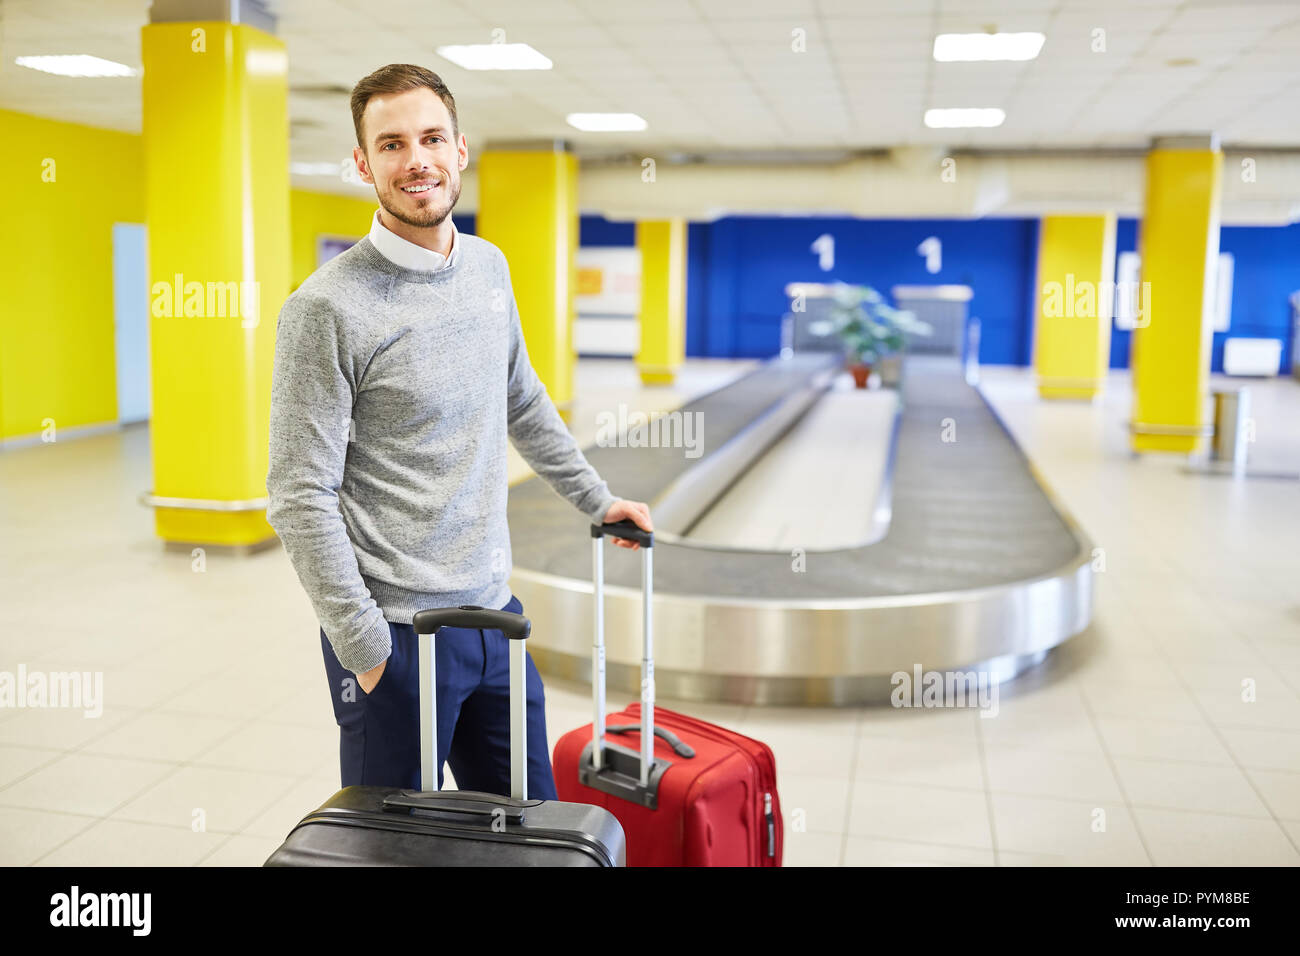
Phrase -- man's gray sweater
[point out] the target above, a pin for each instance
(392, 395)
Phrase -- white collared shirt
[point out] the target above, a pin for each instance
(407, 254)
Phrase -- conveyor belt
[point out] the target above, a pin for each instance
(978, 565)
(794, 472)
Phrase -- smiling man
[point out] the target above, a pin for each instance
(400, 370)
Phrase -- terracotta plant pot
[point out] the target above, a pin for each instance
(860, 374)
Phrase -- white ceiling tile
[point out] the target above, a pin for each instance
(1230, 17)
(412, 14)
(994, 7)
(723, 71)
(504, 12)
(547, 36)
(1033, 20)
(1169, 44)
(1285, 38)
(917, 50)
(638, 11)
(769, 34)
(914, 27)
(873, 8)
(758, 9)
(1118, 5)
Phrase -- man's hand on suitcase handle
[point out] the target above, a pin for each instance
(636, 511)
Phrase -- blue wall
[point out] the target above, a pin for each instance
(739, 267)
(592, 230)
(1121, 340)
(1265, 273)
(1266, 270)
(599, 231)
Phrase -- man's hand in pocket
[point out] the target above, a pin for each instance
(370, 678)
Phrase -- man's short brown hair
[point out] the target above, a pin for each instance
(398, 78)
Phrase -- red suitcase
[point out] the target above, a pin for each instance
(705, 795)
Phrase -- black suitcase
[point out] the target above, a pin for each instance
(386, 826)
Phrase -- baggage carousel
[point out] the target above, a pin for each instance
(937, 545)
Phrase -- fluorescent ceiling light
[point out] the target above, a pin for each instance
(606, 122)
(495, 56)
(959, 118)
(954, 47)
(75, 65)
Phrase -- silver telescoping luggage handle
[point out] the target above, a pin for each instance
(629, 531)
(514, 626)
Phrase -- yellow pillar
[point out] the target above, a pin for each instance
(662, 244)
(216, 146)
(1076, 272)
(1179, 248)
(528, 208)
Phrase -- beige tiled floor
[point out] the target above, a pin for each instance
(1131, 745)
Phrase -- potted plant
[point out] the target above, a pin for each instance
(870, 328)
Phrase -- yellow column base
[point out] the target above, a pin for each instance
(1069, 389)
(1076, 394)
(657, 375)
(1186, 444)
(187, 526)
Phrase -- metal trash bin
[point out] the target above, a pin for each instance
(1231, 426)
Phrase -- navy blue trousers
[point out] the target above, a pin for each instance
(379, 732)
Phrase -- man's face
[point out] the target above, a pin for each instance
(410, 157)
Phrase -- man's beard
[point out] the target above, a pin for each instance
(429, 215)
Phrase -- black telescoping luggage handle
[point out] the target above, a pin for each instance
(468, 803)
(626, 529)
(512, 625)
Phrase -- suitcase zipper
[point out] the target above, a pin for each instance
(771, 824)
